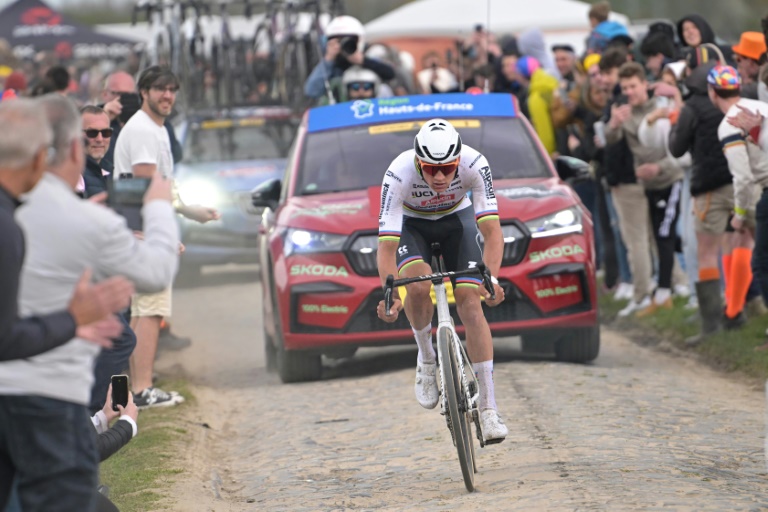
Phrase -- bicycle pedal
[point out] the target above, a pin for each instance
(494, 441)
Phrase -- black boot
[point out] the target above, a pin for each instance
(710, 309)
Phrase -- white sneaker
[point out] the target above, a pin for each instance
(426, 385)
(624, 291)
(635, 306)
(682, 290)
(494, 429)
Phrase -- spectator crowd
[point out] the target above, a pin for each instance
(672, 125)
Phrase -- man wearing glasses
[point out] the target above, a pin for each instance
(97, 135)
(360, 83)
(143, 149)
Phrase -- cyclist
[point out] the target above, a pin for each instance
(424, 200)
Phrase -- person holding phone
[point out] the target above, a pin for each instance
(344, 49)
(46, 442)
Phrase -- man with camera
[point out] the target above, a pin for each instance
(344, 49)
(144, 149)
(47, 441)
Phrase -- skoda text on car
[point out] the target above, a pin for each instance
(318, 260)
(226, 154)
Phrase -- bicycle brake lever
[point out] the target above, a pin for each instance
(487, 280)
(388, 287)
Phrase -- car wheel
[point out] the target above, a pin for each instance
(579, 346)
(293, 365)
(270, 353)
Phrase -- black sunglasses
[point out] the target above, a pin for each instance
(366, 86)
(93, 133)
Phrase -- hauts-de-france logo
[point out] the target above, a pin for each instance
(362, 109)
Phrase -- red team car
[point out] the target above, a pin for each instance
(320, 232)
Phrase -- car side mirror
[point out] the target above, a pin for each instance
(572, 170)
(266, 195)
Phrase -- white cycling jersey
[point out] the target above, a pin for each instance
(405, 193)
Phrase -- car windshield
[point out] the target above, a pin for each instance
(356, 158)
(227, 140)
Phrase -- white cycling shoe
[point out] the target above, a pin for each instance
(494, 429)
(426, 385)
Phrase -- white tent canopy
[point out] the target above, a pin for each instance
(563, 21)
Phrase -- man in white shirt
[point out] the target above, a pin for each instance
(143, 149)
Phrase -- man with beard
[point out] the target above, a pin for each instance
(144, 148)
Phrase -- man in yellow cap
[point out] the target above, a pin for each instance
(750, 55)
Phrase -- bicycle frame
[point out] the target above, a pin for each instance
(460, 393)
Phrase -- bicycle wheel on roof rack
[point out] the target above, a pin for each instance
(455, 398)
(292, 73)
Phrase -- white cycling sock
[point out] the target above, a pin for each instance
(484, 373)
(424, 341)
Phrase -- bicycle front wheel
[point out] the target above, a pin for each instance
(456, 399)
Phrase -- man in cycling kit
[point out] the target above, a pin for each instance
(423, 201)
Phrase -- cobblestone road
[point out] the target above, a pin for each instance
(637, 430)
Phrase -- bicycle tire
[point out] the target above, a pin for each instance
(453, 391)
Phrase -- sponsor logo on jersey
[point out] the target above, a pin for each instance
(485, 172)
(319, 271)
(384, 207)
(426, 193)
(475, 161)
(438, 200)
(394, 176)
(556, 252)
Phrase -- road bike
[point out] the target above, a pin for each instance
(459, 389)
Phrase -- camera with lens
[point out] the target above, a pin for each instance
(349, 44)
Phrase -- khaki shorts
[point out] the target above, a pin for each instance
(713, 211)
(151, 304)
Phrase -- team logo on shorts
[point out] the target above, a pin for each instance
(402, 250)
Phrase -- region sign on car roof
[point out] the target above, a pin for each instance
(397, 108)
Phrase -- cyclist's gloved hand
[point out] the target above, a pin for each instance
(499, 295)
(397, 305)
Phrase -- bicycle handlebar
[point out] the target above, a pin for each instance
(392, 283)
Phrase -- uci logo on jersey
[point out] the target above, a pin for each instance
(362, 109)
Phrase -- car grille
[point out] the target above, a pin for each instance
(361, 253)
(515, 308)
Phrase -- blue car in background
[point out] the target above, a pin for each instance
(227, 153)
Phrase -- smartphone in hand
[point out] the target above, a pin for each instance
(119, 391)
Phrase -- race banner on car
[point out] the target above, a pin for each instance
(404, 108)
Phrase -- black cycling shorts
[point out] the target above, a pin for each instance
(457, 235)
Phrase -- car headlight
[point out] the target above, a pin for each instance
(513, 252)
(301, 241)
(200, 192)
(561, 223)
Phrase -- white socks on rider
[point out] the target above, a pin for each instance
(484, 373)
(424, 341)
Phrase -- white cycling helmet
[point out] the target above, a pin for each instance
(360, 74)
(437, 142)
(344, 26)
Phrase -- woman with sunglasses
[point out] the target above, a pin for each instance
(424, 201)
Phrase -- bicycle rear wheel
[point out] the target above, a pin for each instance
(454, 396)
